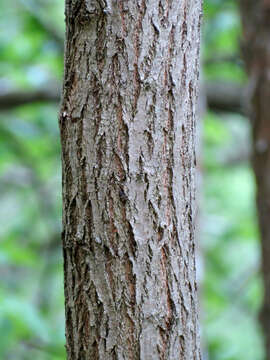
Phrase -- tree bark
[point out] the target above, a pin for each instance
(221, 97)
(127, 125)
(256, 51)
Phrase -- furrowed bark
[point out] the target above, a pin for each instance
(256, 51)
(221, 97)
(127, 125)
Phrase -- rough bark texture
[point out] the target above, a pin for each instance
(127, 128)
(256, 51)
(221, 97)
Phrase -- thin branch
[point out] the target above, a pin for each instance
(13, 98)
(221, 97)
(225, 97)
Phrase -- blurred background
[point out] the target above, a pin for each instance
(31, 291)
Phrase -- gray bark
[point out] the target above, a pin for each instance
(127, 125)
(221, 97)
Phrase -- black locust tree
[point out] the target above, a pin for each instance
(127, 123)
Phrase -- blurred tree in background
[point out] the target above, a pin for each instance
(31, 292)
(232, 292)
(256, 50)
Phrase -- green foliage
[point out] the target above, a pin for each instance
(232, 288)
(31, 295)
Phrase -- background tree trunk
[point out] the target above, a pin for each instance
(127, 129)
(256, 51)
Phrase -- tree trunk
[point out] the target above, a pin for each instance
(127, 130)
(256, 51)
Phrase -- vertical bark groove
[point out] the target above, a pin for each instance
(127, 125)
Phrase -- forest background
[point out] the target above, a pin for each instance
(31, 291)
